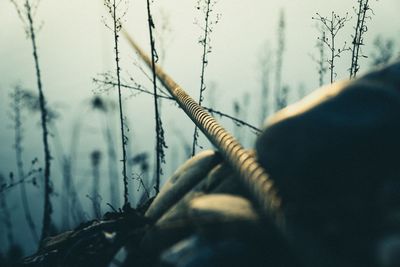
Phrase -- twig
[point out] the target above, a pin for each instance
(138, 88)
(28, 178)
(211, 110)
(236, 120)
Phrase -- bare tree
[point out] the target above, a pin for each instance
(160, 138)
(362, 14)
(330, 28)
(205, 40)
(26, 14)
(113, 8)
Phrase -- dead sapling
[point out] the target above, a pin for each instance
(330, 28)
(207, 8)
(160, 137)
(363, 13)
(114, 9)
(26, 12)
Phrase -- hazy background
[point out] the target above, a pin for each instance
(74, 46)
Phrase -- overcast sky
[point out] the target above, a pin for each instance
(74, 46)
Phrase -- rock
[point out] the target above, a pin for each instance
(227, 231)
(222, 207)
(184, 179)
(332, 156)
(175, 223)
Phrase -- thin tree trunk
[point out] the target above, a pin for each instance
(42, 103)
(121, 114)
(159, 135)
